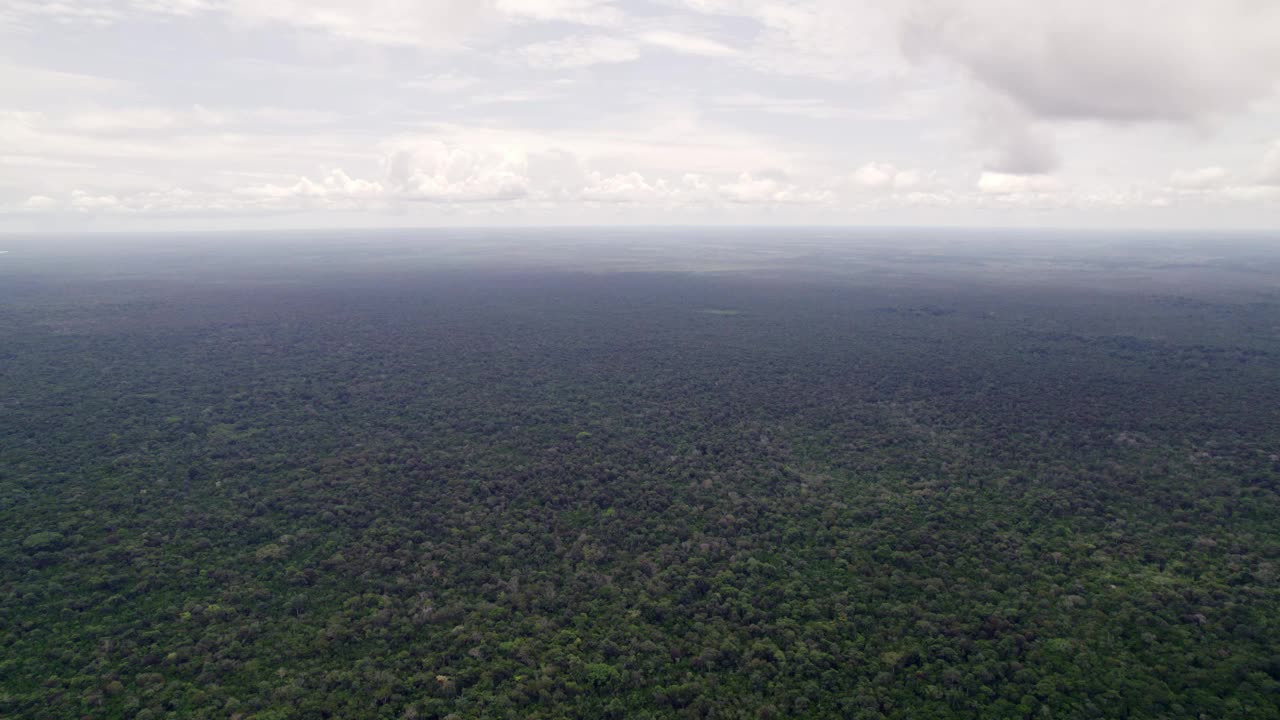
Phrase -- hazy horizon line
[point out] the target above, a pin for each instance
(1007, 229)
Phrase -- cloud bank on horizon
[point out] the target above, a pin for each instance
(268, 113)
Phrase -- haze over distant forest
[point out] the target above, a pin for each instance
(625, 474)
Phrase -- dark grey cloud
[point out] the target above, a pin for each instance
(1015, 144)
(1270, 173)
(1182, 61)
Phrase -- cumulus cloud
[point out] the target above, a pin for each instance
(335, 189)
(635, 188)
(886, 177)
(177, 200)
(557, 173)
(770, 189)
(750, 189)
(39, 203)
(997, 183)
(438, 172)
(86, 202)
(623, 188)
(1259, 184)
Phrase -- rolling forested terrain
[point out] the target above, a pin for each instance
(638, 481)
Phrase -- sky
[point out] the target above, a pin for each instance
(239, 114)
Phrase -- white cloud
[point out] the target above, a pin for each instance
(110, 120)
(335, 187)
(627, 108)
(86, 202)
(997, 183)
(886, 177)
(20, 13)
(437, 172)
(579, 52)
(624, 187)
(844, 40)
(1250, 194)
(177, 200)
(557, 173)
(176, 7)
(769, 189)
(687, 44)
(39, 203)
(37, 162)
(435, 24)
(1215, 184)
(749, 189)
(442, 83)
(667, 142)
(1199, 179)
(690, 190)
(814, 108)
(583, 12)
(877, 176)
(19, 83)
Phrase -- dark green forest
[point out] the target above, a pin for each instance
(859, 483)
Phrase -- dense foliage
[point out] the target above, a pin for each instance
(476, 493)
